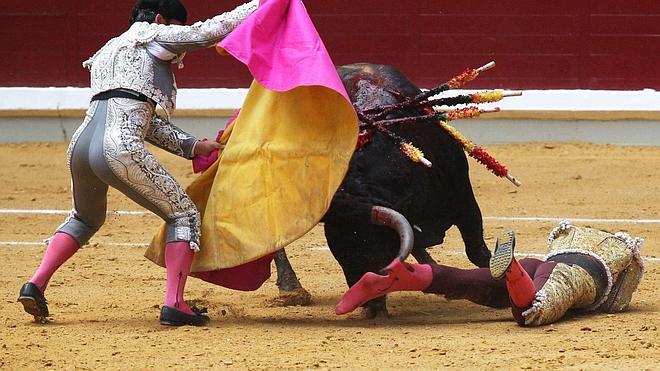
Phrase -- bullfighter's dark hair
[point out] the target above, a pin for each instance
(146, 11)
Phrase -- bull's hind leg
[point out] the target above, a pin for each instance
(423, 257)
(470, 224)
(291, 291)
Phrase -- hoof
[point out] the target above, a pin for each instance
(371, 312)
(41, 320)
(297, 297)
(376, 308)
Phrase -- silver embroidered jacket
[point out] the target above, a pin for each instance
(140, 59)
(171, 138)
(572, 287)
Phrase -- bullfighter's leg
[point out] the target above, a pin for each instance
(87, 216)
(558, 284)
(108, 150)
(509, 281)
(519, 284)
(476, 285)
(119, 157)
(401, 276)
(485, 286)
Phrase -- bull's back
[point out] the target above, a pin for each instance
(369, 85)
(380, 171)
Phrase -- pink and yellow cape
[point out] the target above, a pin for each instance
(286, 152)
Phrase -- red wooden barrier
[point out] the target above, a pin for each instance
(608, 44)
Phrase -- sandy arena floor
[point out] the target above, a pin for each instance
(105, 301)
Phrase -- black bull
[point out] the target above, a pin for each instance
(431, 199)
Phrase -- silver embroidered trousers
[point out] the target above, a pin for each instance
(108, 150)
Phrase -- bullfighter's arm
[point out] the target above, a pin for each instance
(169, 137)
(179, 39)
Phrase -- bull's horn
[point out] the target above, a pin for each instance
(384, 216)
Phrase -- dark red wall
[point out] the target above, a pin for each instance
(606, 44)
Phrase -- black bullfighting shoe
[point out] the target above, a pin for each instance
(503, 255)
(173, 317)
(33, 301)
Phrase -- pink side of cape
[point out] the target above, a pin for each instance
(282, 49)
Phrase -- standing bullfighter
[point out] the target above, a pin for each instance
(130, 75)
(586, 269)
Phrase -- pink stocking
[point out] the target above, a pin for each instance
(60, 248)
(400, 277)
(520, 286)
(178, 258)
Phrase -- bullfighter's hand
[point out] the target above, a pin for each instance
(205, 147)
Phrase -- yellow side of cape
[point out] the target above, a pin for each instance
(285, 158)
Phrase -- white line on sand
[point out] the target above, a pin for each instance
(575, 220)
(493, 218)
(487, 218)
(67, 212)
